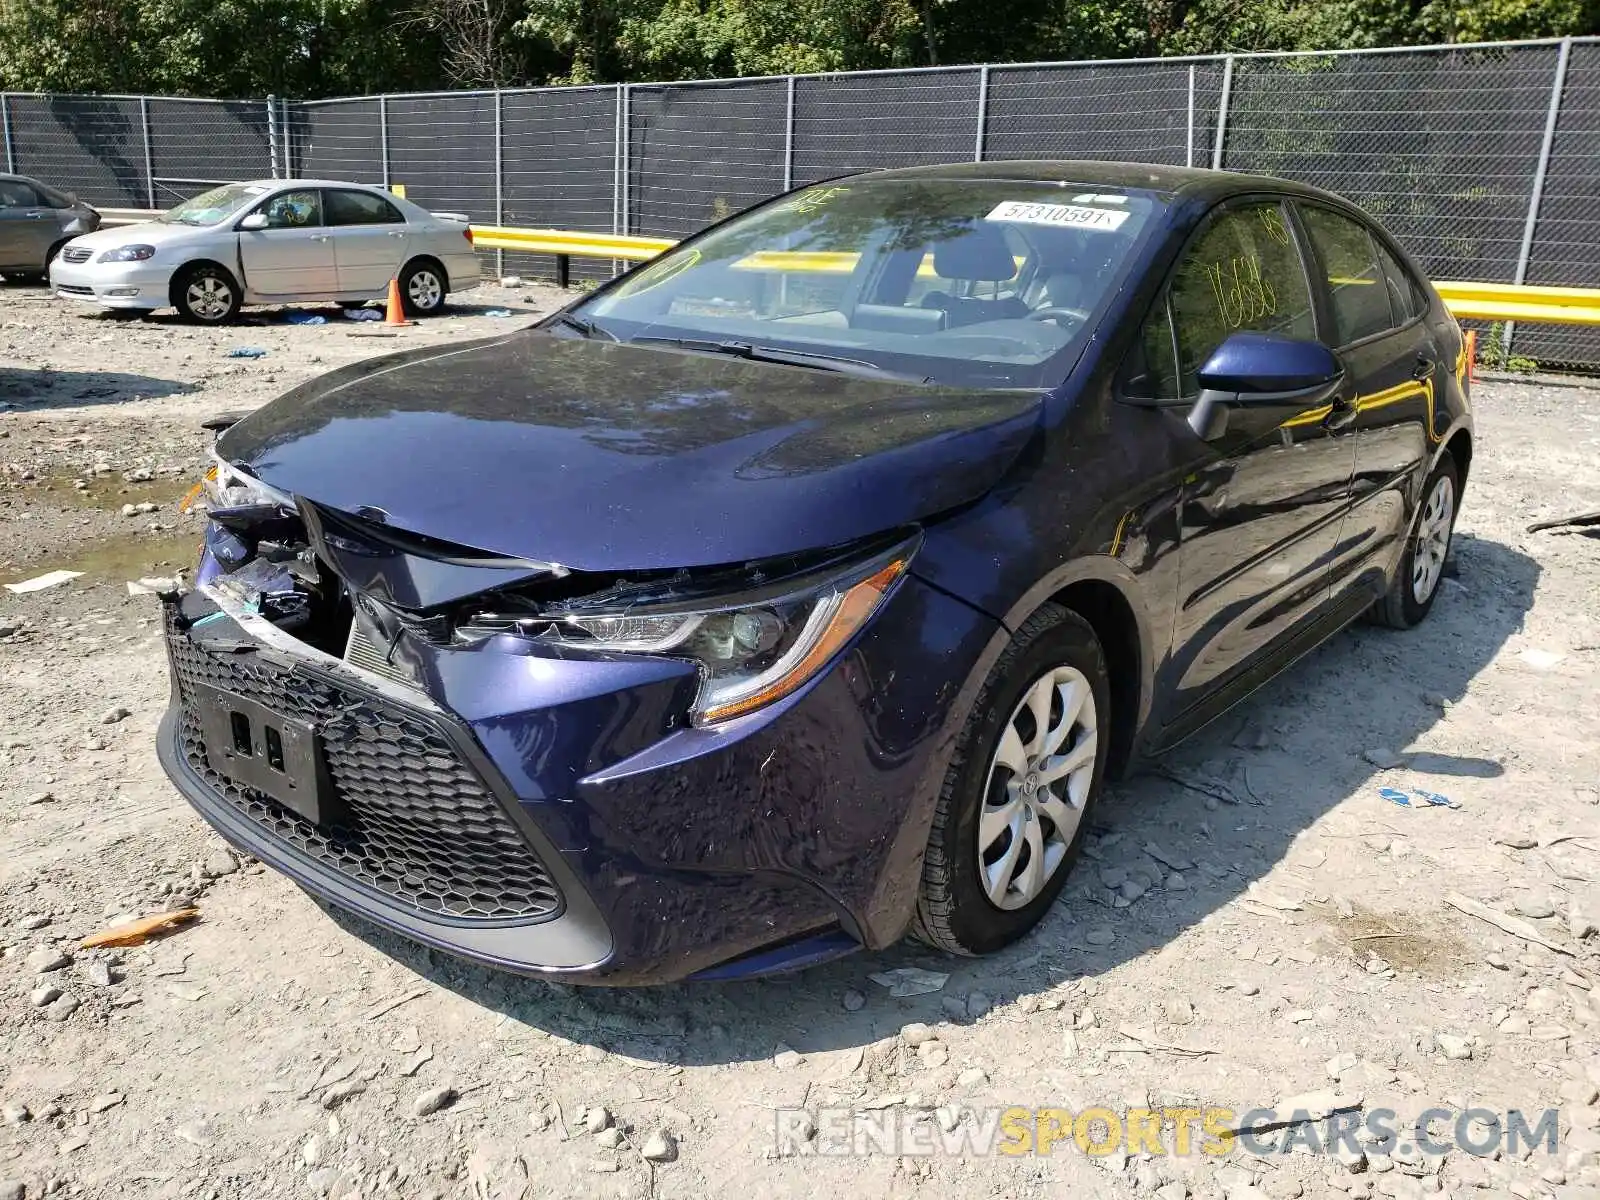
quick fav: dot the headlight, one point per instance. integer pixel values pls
(129, 254)
(226, 486)
(750, 651)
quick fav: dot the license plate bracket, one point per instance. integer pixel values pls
(257, 748)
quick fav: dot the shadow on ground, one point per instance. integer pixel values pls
(1362, 690)
(36, 388)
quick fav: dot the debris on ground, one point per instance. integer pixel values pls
(40, 582)
(910, 981)
(1417, 798)
(141, 930)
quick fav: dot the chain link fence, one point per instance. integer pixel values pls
(1483, 160)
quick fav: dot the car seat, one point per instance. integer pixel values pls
(978, 254)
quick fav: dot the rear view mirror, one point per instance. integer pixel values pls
(1266, 370)
(254, 221)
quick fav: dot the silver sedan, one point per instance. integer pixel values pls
(273, 241)
(35, 222)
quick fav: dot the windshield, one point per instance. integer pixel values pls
(218, 204)
(976, 283)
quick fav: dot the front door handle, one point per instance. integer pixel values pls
(1424, 367)
(319, 237)
(1342, 415)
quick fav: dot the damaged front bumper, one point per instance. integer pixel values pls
(554, 813)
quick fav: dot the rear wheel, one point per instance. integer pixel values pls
(1020, 789)
(1416, 583)
(422, 288)
(206, 294)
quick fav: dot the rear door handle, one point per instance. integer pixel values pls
(397, 233)
(1425, 367)
(319, 237)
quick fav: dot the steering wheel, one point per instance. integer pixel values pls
(1053, 312)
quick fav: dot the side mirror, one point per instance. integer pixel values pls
(254, 221)
(1264, 370)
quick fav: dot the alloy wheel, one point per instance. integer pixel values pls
(209, 298)
(1039, 781)
(424, 290)
(1433, 539)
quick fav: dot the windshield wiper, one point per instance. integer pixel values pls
(585, 327)
(790, 358)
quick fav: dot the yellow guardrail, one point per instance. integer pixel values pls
(1476, 301)
(566, 245)
(1521, 302)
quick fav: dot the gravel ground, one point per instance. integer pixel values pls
(1255, 922)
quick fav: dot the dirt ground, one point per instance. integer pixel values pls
(1255, 920)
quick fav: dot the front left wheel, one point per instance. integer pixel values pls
(206, 294)
(1021, 786)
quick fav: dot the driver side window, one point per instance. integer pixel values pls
(293, 210)
(1242, 272)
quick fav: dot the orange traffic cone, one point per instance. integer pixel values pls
(396, 314)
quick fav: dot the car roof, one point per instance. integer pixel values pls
(338, 183)
(1169, 181)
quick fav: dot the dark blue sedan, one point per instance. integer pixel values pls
(797, 591)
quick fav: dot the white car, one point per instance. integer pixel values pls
(271, 242)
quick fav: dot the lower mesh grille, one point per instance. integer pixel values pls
(418, 824)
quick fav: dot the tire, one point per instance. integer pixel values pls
(1416, 581)
(206, 295)
(970, 902)
(423, 288)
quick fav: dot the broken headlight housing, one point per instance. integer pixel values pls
(753, 648)
(226, 486)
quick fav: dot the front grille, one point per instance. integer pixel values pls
(74, 289)
(418, 825)
(76, 254)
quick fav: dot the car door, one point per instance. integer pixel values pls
(1394, 363)
(1260, 505)
(369, 238)
(27, 227)
(293, 255)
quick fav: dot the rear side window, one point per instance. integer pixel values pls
(1242, 272)
(1349, 262)
(359, 208)
(1406, 296)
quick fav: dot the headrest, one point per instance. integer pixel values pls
(979, 254)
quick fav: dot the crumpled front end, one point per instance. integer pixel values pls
(379, 717)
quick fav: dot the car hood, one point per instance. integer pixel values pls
(145, 233)
(608, 457)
